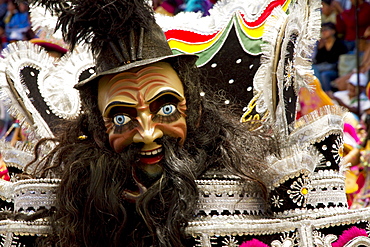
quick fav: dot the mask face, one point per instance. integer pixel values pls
(141, 106)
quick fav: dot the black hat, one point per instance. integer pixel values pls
(122, 34)
(330, 25)
(139, 49)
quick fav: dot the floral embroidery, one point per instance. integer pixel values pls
(276, 201)
(299, 191)
(286, 241)
(336, 148)
(289, 74)
(230, 242)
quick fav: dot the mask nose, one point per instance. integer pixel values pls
(148, 132)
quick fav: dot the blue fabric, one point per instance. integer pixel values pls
(18, 23)
(198, 6)
(326, 73)
(3, 9)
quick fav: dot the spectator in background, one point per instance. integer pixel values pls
(365, 64)
(346, 23)
(3, 39)
(326, 59)
(341, 82)
(173, 7)
(3, 9)
(341, 5)
(14, 133)
(17, 22)
(349, 98)
(168, 7)
(198, 6)
(328, 13)
(11, 8)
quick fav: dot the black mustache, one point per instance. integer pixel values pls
(164, 141)
(131, 156)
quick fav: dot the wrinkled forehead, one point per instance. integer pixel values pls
(147, 81)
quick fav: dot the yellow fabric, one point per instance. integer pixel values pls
(311, 100)
(351, 185)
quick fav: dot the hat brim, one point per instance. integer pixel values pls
(354, 83)
(49, 45)
(189, 58)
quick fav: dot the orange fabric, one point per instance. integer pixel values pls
(311, 100)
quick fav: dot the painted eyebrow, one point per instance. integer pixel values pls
(163, 93)
(114, 103)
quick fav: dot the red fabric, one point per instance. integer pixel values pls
(346, 23)
(266, 13)
(188, 36)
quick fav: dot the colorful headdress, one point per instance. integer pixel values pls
(258, 55)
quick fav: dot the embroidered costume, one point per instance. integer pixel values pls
(163, 156)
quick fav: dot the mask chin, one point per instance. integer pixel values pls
(148, 174)
(148, 178)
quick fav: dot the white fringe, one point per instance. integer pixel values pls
(264, 76)
(16, 56)
(220, 15)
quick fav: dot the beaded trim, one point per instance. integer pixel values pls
(241, 225)
(29, 193)
(34, 193)
(317, 125)
(218, 196)
(25, 228)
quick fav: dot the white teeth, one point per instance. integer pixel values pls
(154, 152)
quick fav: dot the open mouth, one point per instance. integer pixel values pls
(151, 157)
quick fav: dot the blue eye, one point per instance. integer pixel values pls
(121, 120)
(166, 110)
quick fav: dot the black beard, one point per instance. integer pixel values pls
(170, 200)
(98, 179)
(172, 151)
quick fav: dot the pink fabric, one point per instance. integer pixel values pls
(253, 243)
(348, 235)
(168, 7)
(352, 131)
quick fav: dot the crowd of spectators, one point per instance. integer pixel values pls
(15, 22)
(329, 48)
(335, 56)
(341, 62)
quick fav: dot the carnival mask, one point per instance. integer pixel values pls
(140, 106)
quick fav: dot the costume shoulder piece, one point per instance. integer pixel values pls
(37, 88)
(257, 54)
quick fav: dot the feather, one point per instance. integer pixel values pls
(96, 22)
